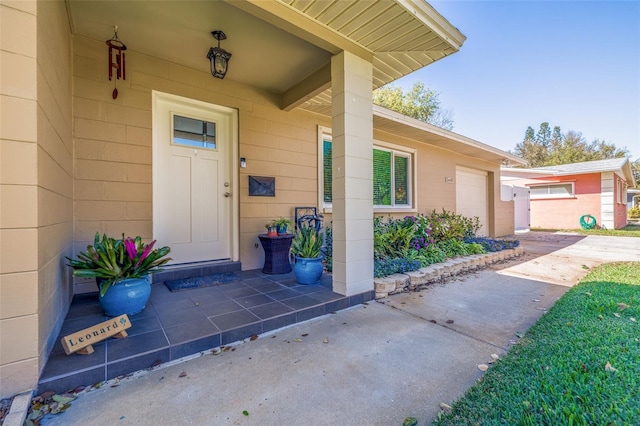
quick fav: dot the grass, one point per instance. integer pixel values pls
(627, 231)
(558, 372)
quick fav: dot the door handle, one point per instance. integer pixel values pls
(227, 194)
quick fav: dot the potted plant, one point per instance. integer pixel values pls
(281, 224)
(271, 229)
(121, 268)
(307, 249)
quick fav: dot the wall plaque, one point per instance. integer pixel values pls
(262, 186)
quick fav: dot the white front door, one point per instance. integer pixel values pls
(194, 145)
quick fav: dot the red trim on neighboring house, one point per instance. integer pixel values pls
(565, 213)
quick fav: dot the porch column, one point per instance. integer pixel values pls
(352, 195)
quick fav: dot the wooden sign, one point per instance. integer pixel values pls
(82, 340)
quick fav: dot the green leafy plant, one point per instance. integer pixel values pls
(307, 242)
(392, 239)
(281, 221)
(327, 251)
(447, 225)
(280, 224)
(111, 260)
(453, 248)
(634, 213)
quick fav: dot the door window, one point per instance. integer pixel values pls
(194, 133)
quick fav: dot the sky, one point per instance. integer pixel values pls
(574, 64)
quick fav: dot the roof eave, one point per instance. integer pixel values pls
(483, 151)
(628, 173)
(433, 19)
(625, 168)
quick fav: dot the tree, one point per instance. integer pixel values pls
(543, 137)
(549, 148)
(535, 153)
(635, 168)
(419, 102)
(557, 136)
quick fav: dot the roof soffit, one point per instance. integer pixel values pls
(397, 36)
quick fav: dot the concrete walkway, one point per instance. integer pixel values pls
(373, 364)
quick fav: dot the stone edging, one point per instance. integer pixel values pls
(398, 283)
(19, 408)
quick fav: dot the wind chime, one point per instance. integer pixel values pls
(116, 60)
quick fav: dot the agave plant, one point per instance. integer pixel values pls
(307, 242)
(111, 260)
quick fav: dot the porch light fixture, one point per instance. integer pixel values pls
(219, 57)
(116, 59)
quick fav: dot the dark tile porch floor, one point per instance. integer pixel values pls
(174, 325)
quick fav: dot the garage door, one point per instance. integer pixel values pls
(471, 196)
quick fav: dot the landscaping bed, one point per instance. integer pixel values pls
(579, 364)
(407, 244)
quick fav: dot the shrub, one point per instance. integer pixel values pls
(392, 239)
(447, 225)
(428, 255)
(492, 245)
(634, 213)
(475, 248)
(422, 227)
(382, 268)
(453, 248)
(327, 250)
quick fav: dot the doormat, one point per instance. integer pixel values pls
(198, 282)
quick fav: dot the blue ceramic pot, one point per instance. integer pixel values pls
(129, 297)
(308, 271)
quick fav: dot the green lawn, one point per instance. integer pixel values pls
(627, 231)
(579, 364)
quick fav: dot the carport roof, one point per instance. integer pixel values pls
(599, 166)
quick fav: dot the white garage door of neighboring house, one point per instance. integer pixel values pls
(471, 196)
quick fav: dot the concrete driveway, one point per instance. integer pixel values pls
(369, 365)
(564, 259)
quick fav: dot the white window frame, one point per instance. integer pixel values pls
(552, 196)
(324, 133)
(173, 140)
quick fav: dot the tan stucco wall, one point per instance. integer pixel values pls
(113, 141)
(36, 185)
(434, 165)
(18, 180)
(503, 215)
(55, 171)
